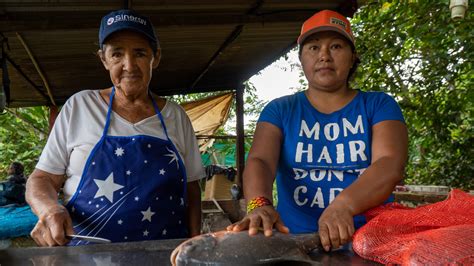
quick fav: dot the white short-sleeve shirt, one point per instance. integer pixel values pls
(80, 125)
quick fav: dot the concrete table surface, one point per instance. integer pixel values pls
(143, 253)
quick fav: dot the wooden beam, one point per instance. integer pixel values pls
(235, 33)
(240, 144)
(220, 136)
(22, 73)
(79, 21)
(40, 72)
(127, 4)
(53, 114)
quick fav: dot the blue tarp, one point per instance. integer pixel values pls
(16, 221)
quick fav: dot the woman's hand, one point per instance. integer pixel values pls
(265, 216)
(371, 188)
(52, 227)
(336, 226)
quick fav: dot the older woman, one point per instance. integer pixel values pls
(340, 150)
(127, 160)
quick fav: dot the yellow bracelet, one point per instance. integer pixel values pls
(257, 202)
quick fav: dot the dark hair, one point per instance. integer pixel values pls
(17, 168)
(353, 69)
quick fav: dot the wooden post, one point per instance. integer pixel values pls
(240, 148)
(53, 114)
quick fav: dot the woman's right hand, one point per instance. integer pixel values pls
(265, 216)
(52, 227)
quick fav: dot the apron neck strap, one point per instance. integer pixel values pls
(109, 112)
(158, 113)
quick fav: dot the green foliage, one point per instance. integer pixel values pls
(414, 51)
(410, 49)
(23, 133)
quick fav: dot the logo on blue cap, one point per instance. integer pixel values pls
(126, 20)
(123, 17)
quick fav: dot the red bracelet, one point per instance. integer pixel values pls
(257, 202)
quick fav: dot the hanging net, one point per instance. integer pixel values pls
(441, 233)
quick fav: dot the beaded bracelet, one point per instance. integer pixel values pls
(257, 202)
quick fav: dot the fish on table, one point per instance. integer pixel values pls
(238, 248)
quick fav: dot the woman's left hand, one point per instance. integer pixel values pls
(336, 226)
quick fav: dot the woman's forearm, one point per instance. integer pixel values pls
(389, 156)
(373, 187)
(41, 191)
(194, 208)
(258, 179)
(261, 166)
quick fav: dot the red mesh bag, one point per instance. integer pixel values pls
(433, 234)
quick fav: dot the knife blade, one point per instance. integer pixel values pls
(89, 238)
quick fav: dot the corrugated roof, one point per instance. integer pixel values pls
(206, 45)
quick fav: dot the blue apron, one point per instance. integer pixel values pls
(133, 188)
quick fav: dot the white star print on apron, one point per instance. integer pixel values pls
(132, 188)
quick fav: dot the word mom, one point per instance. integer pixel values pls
(331, 132)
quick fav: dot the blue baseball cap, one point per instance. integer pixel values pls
(126, 19)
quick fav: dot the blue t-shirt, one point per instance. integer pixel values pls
(322, 154)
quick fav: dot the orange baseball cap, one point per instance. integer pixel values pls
(326, 20)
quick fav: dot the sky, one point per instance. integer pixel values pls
(274, 81)
(277, 79)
